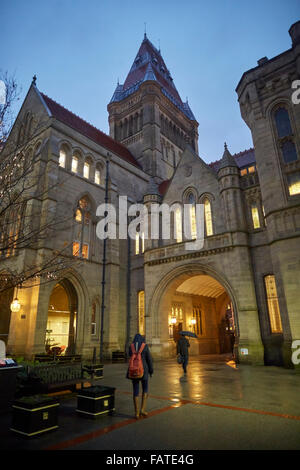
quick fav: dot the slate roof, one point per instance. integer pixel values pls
(243, 159)
(149, 65)
(72, 120)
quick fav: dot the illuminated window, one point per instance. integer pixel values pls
(141, 312)
(74, 164)
(273, 305)
(97, 177)
(208, 217)
(255, 216)
(62, 158)
(143, 242)
(178, 225)
(197, 315)
(243, 171)
(137, 244)
(251, 169)
(294, 183)
(86, 170)
(193, 225)
(82, 229)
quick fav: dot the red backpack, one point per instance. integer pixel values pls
(136, 368)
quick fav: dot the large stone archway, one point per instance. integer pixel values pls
(178, 280)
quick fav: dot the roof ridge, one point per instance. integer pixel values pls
(86, 122)
(242, 152)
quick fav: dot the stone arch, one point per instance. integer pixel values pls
(180, 273)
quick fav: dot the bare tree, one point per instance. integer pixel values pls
(28, 219)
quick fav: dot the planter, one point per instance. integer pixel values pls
(96, 401)
(34, 415)
(94, 370)
(8, 381)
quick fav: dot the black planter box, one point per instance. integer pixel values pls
(8, 381)
(95, 370)
(34, 415)
(96, 401)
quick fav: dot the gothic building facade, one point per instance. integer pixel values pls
(242, 286)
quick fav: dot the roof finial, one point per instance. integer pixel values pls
(145, 31)
(159, 45)
(33, 80)
(225, 146)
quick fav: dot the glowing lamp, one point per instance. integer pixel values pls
(173, 320)
(15, 305)
(193, 321)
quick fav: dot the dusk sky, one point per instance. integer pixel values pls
(79, 49)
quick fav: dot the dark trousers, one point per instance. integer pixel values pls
(185, 360)
(136, 386)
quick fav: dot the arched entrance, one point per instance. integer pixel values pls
(62, 319)
(198, 300)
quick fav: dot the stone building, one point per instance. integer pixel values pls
(241, 286)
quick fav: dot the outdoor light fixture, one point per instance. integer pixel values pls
(15, 305)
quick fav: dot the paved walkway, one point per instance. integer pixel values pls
(217, 406)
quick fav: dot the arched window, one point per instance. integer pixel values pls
(208, 217)
(255, 215)
(81, 242)
(86, 169)
(62, 158)
(285, 136)
(178, 224)
(193, 225)
(75, 160)
(98, 175)
(141, 312)
(273, 304)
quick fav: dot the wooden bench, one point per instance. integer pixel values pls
(49, 358)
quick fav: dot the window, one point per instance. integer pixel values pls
(193, 225)
(82, 229)
(139, 243)
(141, 312)
(263, 209)
(208, 217)
(93, 320)
(255, 215)
(86, 170)
(74, 164)
(97, 177)
(62, 158)
(251, 169)
(178, 225)
(197, 316)
(294, 183)
(285, 135)
(243, 171)
(273, 305)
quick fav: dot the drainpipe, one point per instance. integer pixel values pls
(104, 268)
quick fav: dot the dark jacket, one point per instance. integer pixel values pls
(182, 346)
(146, 356)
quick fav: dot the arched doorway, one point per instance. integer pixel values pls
(195, 299)
(62, 319)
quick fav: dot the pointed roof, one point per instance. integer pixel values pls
(227, 159)
(149, 65)
(70, 119)
(242, 159)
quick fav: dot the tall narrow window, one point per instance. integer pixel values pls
(74, 164)
(97, 176)
(86, 170)
(294, 183)
(137, 244)
(208, 218)
(273, 305)
(143, 242)
(82, 229)
(285, 135)
(178, 225)
(62, 158)
(93, 320)
(255, 215)
(193, 225)
(141, 311)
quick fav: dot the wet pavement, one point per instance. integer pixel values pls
(216, 406)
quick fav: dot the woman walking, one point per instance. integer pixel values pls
(138, 344)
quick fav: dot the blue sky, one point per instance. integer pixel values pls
(78, 50)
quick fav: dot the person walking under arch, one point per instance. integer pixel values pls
(182, 349)
(138, 344)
